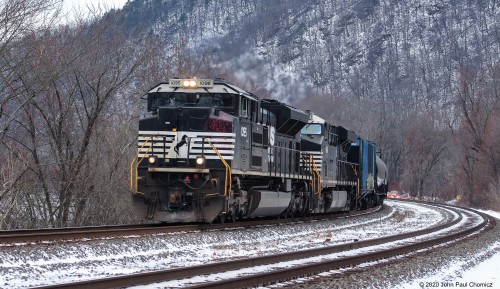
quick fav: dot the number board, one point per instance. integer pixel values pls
(199, 83)
(205, 83)
(175, 82)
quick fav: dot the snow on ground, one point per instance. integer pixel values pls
(288, 264)
(35, 265)
(491, 213)
(464, 272)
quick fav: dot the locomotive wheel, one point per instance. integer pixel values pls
(222, 218)
(233, 215)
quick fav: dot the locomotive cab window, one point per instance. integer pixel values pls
(311, 129)
(244, 107)
(313, 132)
(156, 100)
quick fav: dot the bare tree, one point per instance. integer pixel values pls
(18, 20)
(476, 133)
(425, 148)
(61, 131)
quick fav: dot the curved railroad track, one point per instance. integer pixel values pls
(310, 262)
(78, 233)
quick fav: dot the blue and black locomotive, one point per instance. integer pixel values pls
(209, 151)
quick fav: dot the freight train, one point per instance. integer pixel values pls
(211, 151)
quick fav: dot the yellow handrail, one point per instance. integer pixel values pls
(318, 174)
(312, 173)
(137, 166)
(228, 178)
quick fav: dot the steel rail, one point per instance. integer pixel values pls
(315, 268)
(178, 273)
(75, 233)
(65, 229)
(64, 234)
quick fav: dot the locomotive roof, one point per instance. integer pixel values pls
(219, 86)
(314, 118)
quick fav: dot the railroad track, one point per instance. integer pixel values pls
(307, 267)
(78, 233)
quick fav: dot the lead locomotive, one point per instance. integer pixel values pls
(209, 150)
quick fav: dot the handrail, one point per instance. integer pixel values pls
(358, 187)
(312, 173)
(318, 174)
(308, 165)
(137, 166)
(228, 178)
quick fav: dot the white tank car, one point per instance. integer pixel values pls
(381, 173)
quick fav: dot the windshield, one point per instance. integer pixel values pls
(311, 129)
(192, 99)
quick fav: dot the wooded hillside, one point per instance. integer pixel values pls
(421, 79)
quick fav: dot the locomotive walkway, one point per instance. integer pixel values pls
(468, 223)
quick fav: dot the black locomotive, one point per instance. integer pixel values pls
(209, 150)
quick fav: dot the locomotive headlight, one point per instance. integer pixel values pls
(152, 160)
(200, 161)
(189, 83)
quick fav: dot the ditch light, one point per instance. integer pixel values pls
(200, 162)
(152, 159)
